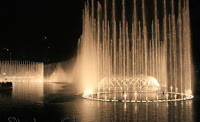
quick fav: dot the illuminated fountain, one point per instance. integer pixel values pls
(134, 57)
(26, 77)
(21, 71)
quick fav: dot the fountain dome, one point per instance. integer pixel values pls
(119, 84)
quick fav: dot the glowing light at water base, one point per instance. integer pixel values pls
(135, 55)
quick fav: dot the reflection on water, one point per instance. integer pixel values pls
(86, 110)
(57, 101)
(28, 91)
(51, 87)
(34, 91)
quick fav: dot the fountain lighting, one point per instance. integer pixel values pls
(125, 95)
(88, 95)
(148, 57)
(88, 92)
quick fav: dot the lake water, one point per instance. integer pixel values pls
(57, 102)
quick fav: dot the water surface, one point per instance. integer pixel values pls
(54, 102)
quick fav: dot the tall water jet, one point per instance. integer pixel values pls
(119, 54)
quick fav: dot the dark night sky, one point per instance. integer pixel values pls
(195, 28)
(26, 23)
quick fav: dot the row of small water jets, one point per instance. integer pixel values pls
(21, 71)
(137, 96)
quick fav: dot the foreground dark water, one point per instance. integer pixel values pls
(57, 102)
